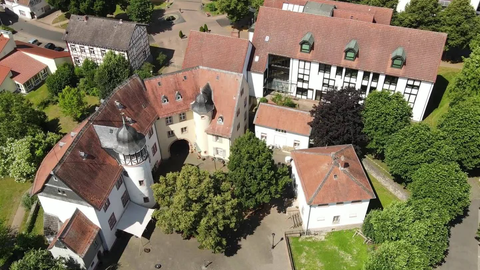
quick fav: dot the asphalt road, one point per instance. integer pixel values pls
(27, 30)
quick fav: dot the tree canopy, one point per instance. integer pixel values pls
(197, 204)
(397, 255)
(85, 7)
(72, 102)
(338, 120)
(146, 71)
(466, 84)
(40, 259)
(445, 184)
(63, 77)
(461, 128)
(86, 74)
(253, 173)
(461, 23)
(383, 116)
(380, 3)
(421, 14)
(235, 9)
(413, 146)
(114, 70)
(18, 118)
(140, 11)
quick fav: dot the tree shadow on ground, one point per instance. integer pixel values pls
(456, 55)
(53, 125)
(159, 24)
(459, 219)
(438, 91)
(122, 16)
(113, 256)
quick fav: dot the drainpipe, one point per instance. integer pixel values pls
(308, 219)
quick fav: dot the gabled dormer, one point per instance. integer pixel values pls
(398, 58)
(306, 44)
(351, 50)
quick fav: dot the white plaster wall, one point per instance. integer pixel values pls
(401, 5)
(250, 36)
(8, 84)
(154, 159)
(223, 143)
(67, 253)
(289, 137)
(255, 82)
(17, 8)
(423, 96)
(52, 64)
(201, 124)
(97, 57)
(140, 172)
(64, 210)
(162, 129)
(247, 58)
(350, 214)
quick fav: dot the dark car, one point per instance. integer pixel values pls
(50, 46)
(58, 49)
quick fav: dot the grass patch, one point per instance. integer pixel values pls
(38, 227)
(10, 197)
(63, 26)
(338, 251)
(118, 10)
(38, 95)
(211, 8)
(380, 164)
(383, 194)
(60, 18)
(161, 6)
(441, 95)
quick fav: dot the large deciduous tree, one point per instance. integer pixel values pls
(85, 7)
(383, 116)
(413, 146)
(461, 128)
(72, 102)
(7, 241)
(86, 75)
(197, 204)
(235, 9)
(466, 83)
(18, 118)
(40, 259)
(421, 14)
(140, 11)
(253, 173)
(397, 255)
(461, 23)
(380, 3)
(445, 184)
(146, 71)
(63, 77)
(114, 70)
(338, 120)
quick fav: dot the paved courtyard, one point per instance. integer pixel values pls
(253, 252)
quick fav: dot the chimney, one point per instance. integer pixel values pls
(343, 164)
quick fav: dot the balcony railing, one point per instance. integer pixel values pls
(279, 85)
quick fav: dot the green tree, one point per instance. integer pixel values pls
(140, 11)
(197, 204)
(413, 146)
(7, 241)
(18, 118)
(428, 208)
(384, 114)
(445, 184)
(460, 126)
(63, 77)
(256, 178)
(86, 74)
(40, 259)
(461, 23)
(72, 102)
(397, 255)
(466, 83)
(235, 9)
(380, 3)
(62, 5)
(338, 120)
(114, 70)
(421, 14)
(146, 71)
(161, 58)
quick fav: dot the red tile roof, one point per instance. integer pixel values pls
(325, 181)
(278, 117)
(34, 49)
(225, 87)
(23, 66)
(216, 51)
(378, 14)
(77, 233)
(376, 43)
(4, 73)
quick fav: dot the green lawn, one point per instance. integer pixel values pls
(38, 227)
(384, 195)
(10, 196)
(339, 250)
(60, 18)
(445, 77)
(53, 111)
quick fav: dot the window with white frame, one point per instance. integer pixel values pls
(245, 102)
(170, 133)
(350, 79)
(320, 218)
(245, 115)
(112, 221)
(296, 143)
(183, 130)
(325, 69)
(263, 136)
(141, 183)
(91, 50)
(102, 52)
(168, 120)
(353, 215)
(238, 126)
(119, 182)
(303, 74)
(76, 60)
(106, 205)
(73, 48)
(390, 83)
(374, 83)
(238, 112)
(154, 149)
(150, 132)
(336, 220)
(411, 91)
(339, 71)
(82, 49)
(217, 139)
(125, 198)
(219, 151)
(182, 116)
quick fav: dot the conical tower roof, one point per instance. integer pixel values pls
(129, 141)
(203, 101)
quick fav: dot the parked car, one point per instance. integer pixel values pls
(33, 41)
(50, 46)
(58, 49)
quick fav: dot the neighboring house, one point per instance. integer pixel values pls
(28, 9)
(92, 37)
(282, 126)
(402, 4)
(306, 54)
(331, 186)
(218, 52)
(206, 107)
(24, 66)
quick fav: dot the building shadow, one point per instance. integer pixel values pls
(438, 91)
(113, 256)
(155, 51)
(159, 24)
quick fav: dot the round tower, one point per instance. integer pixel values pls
(133, 155)
(202, 109)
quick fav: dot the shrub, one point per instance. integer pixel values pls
(205, 28)
(263, 100)
(28, 201)
(180, 34)
(201, 29)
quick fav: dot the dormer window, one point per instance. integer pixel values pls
(351, 50)
(164, 99)
(306, 44)
(398, 58)
(220, 120)
(178, 96)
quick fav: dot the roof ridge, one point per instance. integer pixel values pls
(357, 182)
(321, 184)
